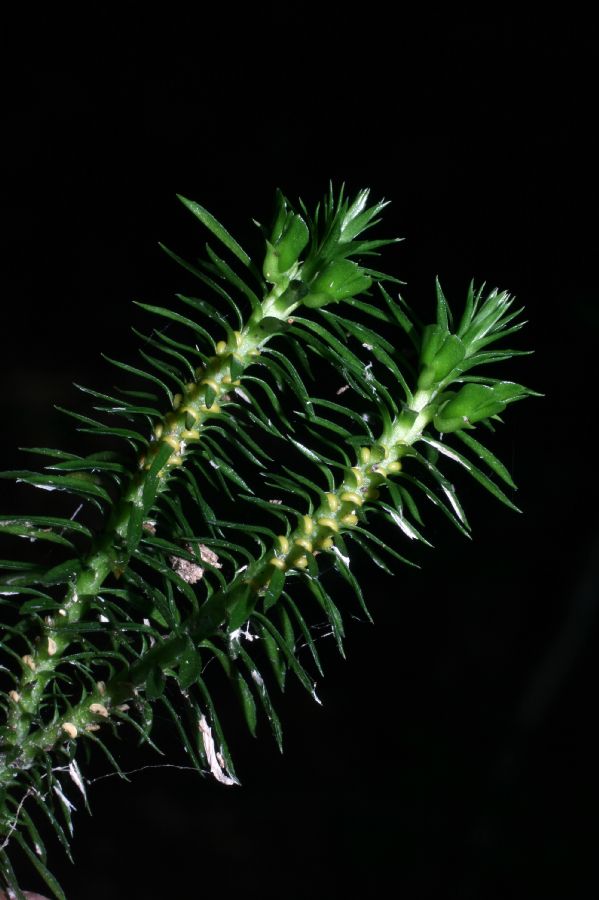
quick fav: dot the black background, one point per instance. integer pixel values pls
(455, 753)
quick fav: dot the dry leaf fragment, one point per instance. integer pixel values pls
(190, 571)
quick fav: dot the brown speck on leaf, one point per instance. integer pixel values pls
(190, 571)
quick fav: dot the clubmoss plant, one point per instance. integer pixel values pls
(186, 566)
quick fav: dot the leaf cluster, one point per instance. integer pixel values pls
(198, 570)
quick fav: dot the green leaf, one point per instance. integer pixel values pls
(190, 666)
(286, 484)
(397, 517)
(342, 566)
(290, 375)
(205, 279)
(264, 696)
(142, 730)
(174, 317)
(443, 311)
(188, 744)
(272, 398)
(358, 217)
(485, 454)
(9, 876)
(16, 565)
(355, 417)
(474, 402)
(62, 573)
(399, 313)
(250, 449)
(140, 373)
(165, 369)
(165, 344)
(152, 479)
(327, 425)
(287, 240)
(82, 485)
(303, 626)
(274, 589)
(34, 834)
(217, 230)
(63, 802)
(208, 311)
(158, 609)
(89, 735)
(229, 472)
(240, 605)
(343, 354)
(441, 354)
(374, 343)
(474, 471)
(43, 802)
(222, 268)
(278, 510)
(369, 309)
(207, 512)
(91, 464)
(49, 451)
(332, 613)
(340, 279)
(436, 501)
(155, 684)
(469, 308)
(371, 555)
(42, 870)
(274, 655)
(117, 404)
(26, 529)
(248, 704)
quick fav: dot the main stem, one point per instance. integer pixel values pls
(172, 436)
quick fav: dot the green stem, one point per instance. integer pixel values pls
(112, 550)
(336, 514)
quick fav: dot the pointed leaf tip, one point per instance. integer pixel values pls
(218, 230)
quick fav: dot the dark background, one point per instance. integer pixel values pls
(455, 755)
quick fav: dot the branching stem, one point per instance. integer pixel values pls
(315, 533)
(181, 427)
